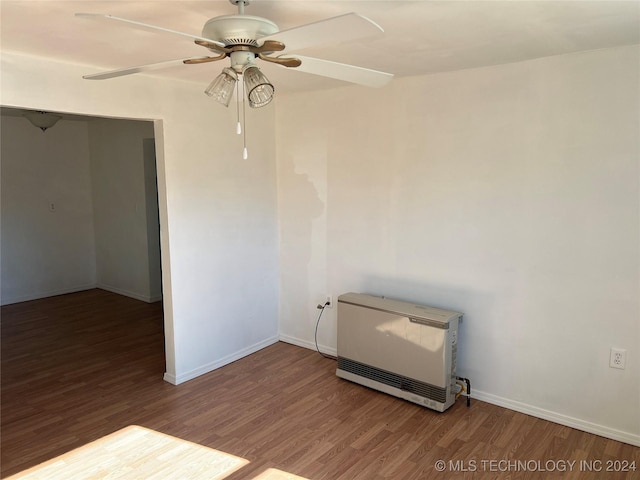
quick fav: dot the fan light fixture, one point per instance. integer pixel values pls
(42, 120)
(257, 87)
(221, 89)
(259, 90)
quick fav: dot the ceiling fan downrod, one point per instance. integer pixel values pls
(241, 4)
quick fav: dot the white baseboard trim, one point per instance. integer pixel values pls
(306, 344)
(559, 418)
(127, 293)
(196, 372)
(170, 378)
(567, 421)
(51, 293)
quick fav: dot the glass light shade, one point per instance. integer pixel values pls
(259, 90)
(221, 89)
(42, 120)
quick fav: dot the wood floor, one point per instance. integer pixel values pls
(77, 367)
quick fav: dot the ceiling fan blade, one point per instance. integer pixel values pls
(196, 61)
(334, 30)
(345, 72)
(214, 47)
(269, 46)
(143, 68)
(286, 62)
(146, 26)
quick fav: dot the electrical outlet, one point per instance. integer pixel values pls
(329, 299)
(618, 358)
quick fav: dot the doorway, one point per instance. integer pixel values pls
(79, 208)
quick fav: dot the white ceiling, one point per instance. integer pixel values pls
(420, 36)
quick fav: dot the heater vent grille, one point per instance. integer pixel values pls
(393, 379)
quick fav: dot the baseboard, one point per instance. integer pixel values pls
(52, 293)
(129, 294)
(196, 372)
(567, 421)
(170, 378)
(310, 345)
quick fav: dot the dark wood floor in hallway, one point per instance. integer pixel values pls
(77, 367)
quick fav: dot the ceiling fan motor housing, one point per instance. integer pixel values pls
(240, 60)
(238, 29)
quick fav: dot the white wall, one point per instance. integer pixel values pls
(120, 207)
(45, 252)
(217, 212)
(508, 193)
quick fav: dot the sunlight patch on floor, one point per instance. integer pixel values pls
(134, 453)
(275, 474)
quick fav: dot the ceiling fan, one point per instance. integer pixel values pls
(246, 38)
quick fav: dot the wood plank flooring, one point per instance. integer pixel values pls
(77, 367)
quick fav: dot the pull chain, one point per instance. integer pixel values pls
(238, 126)
(245, 154)
(242, 130)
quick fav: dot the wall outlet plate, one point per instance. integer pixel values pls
(618, 358)
(329, 299)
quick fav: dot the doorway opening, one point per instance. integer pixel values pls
(80, 208)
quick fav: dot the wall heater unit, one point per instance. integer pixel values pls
(399, 348)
